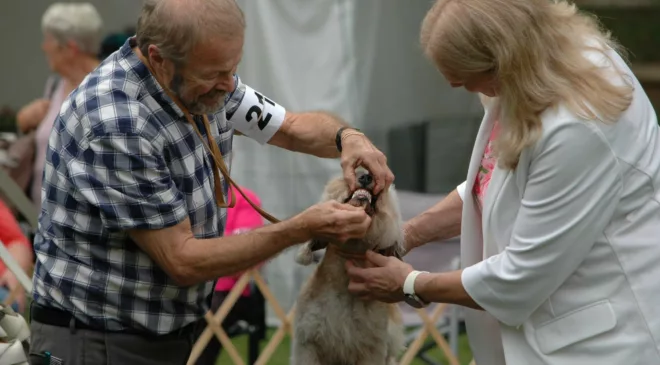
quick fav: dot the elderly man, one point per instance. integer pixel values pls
(129, 242)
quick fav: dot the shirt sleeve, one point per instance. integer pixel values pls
(566, 205)
(125, 176)
(243, 108)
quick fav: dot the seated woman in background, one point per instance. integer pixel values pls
(72, 38)
(241, 218)
(21, 250)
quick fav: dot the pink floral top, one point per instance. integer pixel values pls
(486, 168)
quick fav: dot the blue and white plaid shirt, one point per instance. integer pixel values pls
(121, 155)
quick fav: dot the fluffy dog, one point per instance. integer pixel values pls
(332, 326)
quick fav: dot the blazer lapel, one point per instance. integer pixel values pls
(497, 180)
(472, 225)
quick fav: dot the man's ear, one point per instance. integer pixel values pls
(154, 54)
(158, 62)
(305, 254)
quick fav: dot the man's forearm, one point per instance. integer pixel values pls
(189, 260)
(311, 133)
(440, 222)
(207, 259)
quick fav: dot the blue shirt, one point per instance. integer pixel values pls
(121, 155)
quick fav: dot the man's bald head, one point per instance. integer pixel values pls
(176, 26)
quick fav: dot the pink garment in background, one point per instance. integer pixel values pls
(41, 140)
(241, 218)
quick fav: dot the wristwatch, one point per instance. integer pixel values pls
(409, 290)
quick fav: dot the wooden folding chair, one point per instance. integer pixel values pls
(429, 328)
(214, 321)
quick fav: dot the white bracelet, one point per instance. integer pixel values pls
(409, 284)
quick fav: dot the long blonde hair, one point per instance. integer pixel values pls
(535, 50)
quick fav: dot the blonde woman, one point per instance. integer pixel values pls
(560, 214)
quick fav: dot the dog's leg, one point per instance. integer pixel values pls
(305, 254)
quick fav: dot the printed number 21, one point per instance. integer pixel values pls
(256, 110)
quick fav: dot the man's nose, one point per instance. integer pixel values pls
(365, 180)
(226, 84)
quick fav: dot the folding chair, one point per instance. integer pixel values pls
(214, 319)
(444, 328)
(437, 325)
(253, 325)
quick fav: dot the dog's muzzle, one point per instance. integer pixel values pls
(363, 196)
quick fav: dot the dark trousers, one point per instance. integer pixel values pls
(88, 347)
(239, 311)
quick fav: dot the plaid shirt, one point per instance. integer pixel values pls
(121, 155)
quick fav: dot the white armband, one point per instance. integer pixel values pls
(246, 118)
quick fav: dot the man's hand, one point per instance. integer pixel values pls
(335, 222)
(381, 280)
(315, 133)
(358, 151)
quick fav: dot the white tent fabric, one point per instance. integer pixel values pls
(301, 54)
(357, 59)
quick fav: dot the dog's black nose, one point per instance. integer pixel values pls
(365, 180)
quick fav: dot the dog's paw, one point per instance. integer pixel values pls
(304, 256)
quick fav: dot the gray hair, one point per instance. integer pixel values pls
(175, 27)
(77, 22)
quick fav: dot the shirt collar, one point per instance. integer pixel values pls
(147, 80)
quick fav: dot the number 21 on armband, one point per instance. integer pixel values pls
(256, 110)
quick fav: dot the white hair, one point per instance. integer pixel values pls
(175, 27)
(77, 22)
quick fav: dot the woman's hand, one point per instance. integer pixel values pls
(381, 280)
(30, 116)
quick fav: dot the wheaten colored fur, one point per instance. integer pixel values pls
(332, 326)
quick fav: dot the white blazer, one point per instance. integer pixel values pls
(566, 258)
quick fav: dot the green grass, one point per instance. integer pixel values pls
(281, 355)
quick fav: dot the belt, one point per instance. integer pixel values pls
(59, 318)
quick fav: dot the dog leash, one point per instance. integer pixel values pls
(214, 150)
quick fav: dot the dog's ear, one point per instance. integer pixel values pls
(399, 251)
(305, 254)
